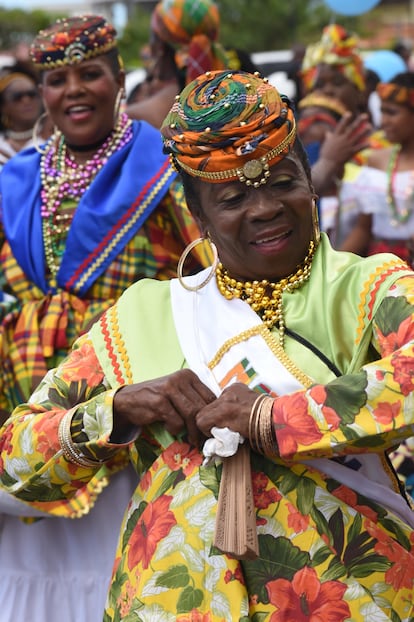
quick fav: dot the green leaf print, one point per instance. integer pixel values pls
(396, 618)
(256, 617)
(364, 567)
(391, 313)
(305, 491)
(177, 576)
(189, 599)
(336, 524)
(399, 534)
(346, 395)
(169, 482)
(335, 571)
(321, 556)
(210, 478)
(288, 481)
(279, 558)
(131, 523)
(321, 523)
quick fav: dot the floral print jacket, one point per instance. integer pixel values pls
(326, 552)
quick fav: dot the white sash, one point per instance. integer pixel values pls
(205, 322)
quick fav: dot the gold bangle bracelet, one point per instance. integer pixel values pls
(253, 422)
(69, 450)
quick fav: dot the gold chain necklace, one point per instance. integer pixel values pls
(265, 297)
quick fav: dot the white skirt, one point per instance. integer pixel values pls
(58, 569)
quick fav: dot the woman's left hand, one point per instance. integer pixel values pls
(232, 410)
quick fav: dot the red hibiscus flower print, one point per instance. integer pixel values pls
(349, 497)
(404, 372)
(306, 599)
(385, 413)
(181, 456)
(154, 524)
(401, 571)
(297, 521)
(293, 424)
(391, 342)
(237, 575)
(318, 393)
(47, 428)
(5, 444)
(82, 364)
(262, 497)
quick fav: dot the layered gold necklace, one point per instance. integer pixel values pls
(265, 297)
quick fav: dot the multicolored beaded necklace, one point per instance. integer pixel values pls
(398, 217)
(63, 183)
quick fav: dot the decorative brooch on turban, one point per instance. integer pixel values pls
(229, 125)
(72, 40)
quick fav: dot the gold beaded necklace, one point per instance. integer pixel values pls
(265, 297)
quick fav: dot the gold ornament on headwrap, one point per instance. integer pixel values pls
(339, 48)
(227, 126)
(395, 93)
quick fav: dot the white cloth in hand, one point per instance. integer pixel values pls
(222, 444)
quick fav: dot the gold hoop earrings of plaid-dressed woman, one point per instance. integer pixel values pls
(186, 252)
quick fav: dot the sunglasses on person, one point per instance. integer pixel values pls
(17, 96)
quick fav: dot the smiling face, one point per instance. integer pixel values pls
(397, 121)
(81, 99)
(261, 233)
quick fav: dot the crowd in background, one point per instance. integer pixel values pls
(91, 203)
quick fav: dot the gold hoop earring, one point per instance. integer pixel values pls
(315, 223)
(184, 256)
(117, 105)
(36, 132)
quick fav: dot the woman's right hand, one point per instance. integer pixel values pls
(173, 400)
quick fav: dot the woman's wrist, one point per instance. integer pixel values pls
(262, 436)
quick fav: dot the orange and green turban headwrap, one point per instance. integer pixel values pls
(229, 125)
(191, 27)
(339, 48)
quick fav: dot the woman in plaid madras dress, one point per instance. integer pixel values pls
(97, 209)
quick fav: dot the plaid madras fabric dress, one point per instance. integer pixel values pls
(39, 326)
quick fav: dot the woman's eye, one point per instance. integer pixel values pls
(55, 81)
(232, 199)
(91, 75)
(281, 182)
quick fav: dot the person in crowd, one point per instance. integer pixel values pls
(20, 108)
(404, 48)
(84, 215)
(317, 119)
(377, 204)
(384, 191)
(183, 43)
(333, 67)
(257, 399)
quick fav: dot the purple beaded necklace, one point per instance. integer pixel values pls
(63, 178)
